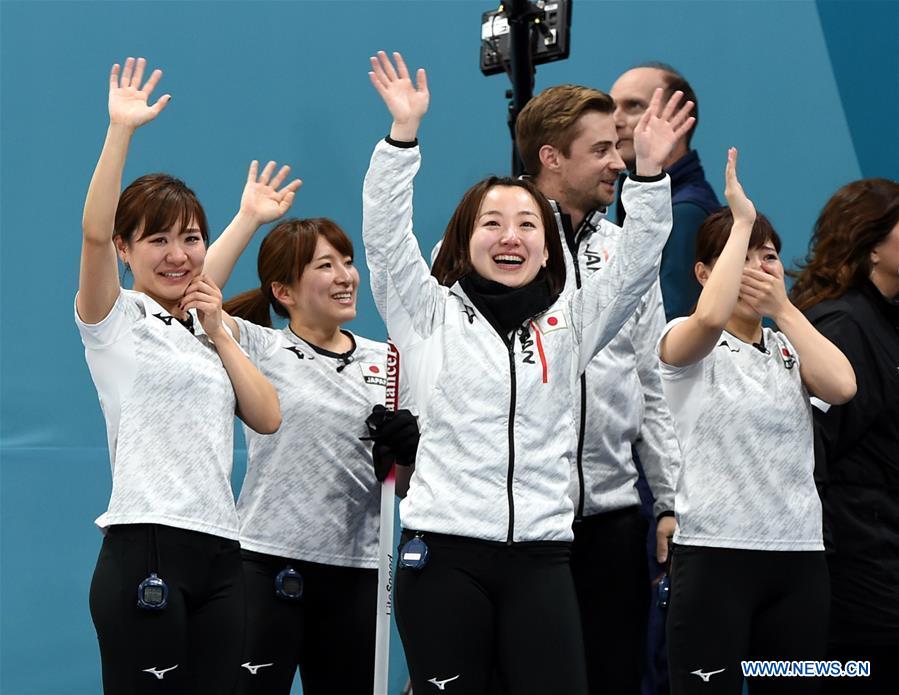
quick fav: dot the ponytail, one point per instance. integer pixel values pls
(252, 306)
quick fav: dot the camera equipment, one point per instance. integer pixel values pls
(515, 38)
(549, 36)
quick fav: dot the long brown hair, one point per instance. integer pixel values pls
(283, 256)
(454, 258)
(856, 219)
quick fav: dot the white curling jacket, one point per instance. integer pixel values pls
(622, 407)
(497, 416)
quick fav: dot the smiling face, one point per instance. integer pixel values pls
(164, 262)
(507, 244)
(325, 294)
(589, 173)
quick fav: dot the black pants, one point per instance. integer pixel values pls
(611, 576)
(192, 646)
(731, 605)
(482, 607)
(329, 633)
(884, 677)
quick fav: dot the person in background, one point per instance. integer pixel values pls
(692, 197)
(567, 139)
(692, 200)
(849, 289)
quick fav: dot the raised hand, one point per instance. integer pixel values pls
(659, 130)
(129, 102)
(203, 295)
(406, 102)
(742, 208)
(764, 290)
(262, 201)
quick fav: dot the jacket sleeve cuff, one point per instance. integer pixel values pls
(641, 179)
(401, 143)
(659, 517)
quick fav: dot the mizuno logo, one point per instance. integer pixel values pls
(296, 351)
(469, 312)
(167, 320)
(441, 685)
(252, 668)
(705, 675)
(161, 672)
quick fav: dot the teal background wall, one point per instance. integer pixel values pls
(808, 90)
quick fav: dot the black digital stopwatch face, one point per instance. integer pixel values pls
(289, 584)
(292, 586)
(152, 594)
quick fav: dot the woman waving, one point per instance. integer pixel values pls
(167, 594)
(493, 357)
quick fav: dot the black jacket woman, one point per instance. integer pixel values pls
(849, 289)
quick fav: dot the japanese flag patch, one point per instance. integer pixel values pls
(374, 373)
(787, 357)
(552, 321)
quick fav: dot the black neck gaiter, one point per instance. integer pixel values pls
(506, 308)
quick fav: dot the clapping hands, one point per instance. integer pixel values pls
(764, 290)
(742, 208)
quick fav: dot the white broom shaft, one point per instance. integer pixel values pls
(385, 541)
(385, 585)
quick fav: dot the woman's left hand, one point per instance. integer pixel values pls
(262, 201)
(203, 295)
(764, 290)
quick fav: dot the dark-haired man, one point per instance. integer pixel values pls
(692, 197)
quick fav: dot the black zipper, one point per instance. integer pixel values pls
(510, 346)
(511, 442)
(583, 423)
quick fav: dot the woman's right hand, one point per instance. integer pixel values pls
(263, 200)
(128, 102)
(406, 102)
(741, 207)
